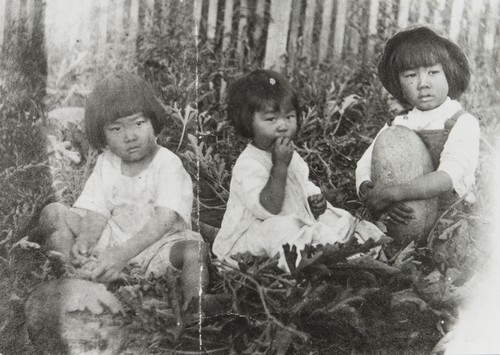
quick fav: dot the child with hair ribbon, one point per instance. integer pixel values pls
(272, 202)
(135, 209)
(428, 73)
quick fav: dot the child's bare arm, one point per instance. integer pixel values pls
(112, 261)
(364, 165)
(272, 195)
(427, 186)
(91, 228)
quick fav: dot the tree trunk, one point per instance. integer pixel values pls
(228, 24)
(277, 34)
(372, 25)
(308, 29)
(259, 21)
(403, 13)
(457, 10)
(212, 19)
(242, 31)
(491, 24)
(294, 31)
(326, 23)
(340, 24)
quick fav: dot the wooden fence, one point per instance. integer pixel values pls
(272, 32)
(319, 30)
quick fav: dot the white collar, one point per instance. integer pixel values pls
(449, 106)
(432, 119)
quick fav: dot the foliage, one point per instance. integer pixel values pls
(22, 164)
(332, 304)
(343, 110)
(25, 187)
(340, 306)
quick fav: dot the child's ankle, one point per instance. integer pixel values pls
(58, 245)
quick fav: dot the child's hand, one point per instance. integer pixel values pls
(400, 213)
(282, 151)
(110, 264)
(81, 250)
(317, 203)
(379, 198)
(364, 188)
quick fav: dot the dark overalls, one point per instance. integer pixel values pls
(452, 249)
(434, 140)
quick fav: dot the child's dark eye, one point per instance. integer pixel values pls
(113, 129)
(140, 123)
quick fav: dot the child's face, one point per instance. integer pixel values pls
(270, 124)
(131, 138)
(425, 87)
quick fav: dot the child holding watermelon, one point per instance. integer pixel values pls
(427, 73)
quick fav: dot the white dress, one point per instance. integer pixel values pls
(129, 202)
(248, 227)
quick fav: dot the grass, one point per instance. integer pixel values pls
(338, 311)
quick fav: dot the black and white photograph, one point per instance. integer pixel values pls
(249, 177)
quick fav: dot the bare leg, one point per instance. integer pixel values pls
(59, 226)
(192, 258)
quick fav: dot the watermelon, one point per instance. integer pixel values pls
(399, 156)
(72, 316)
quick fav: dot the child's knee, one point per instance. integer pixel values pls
(190, 251)
(280, 223)
(54, 230)
(52, 218)
(194, 265)
(280, 229)
(60, 241)
(53, 211)
(195, 250)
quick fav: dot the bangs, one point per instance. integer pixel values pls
(270, 103)
(259, 91)
(422, 47)
(285, 103)
(116, 96)
(419, 53)
(272, 97)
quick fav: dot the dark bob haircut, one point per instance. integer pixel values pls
(422, 47)
(257, 91)
(120, 95)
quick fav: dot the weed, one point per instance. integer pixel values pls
(340, 306)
